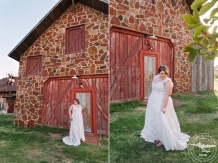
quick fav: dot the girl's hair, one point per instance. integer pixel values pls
(76, 100)
(163, 68)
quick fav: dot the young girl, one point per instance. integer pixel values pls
(76, 125)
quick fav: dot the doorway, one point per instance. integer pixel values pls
(149, 63)
(86, 98)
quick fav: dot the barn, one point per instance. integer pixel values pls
(144, 35)
(65, 56)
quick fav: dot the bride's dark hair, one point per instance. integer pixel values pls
(163, 68)
(76, 100)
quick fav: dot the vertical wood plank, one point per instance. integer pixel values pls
(117, 47)
(137, 71)
(112, 60)
(125, 77)
(122, 80)
(129, 68)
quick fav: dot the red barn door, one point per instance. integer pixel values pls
(58, 97)
(130, 78)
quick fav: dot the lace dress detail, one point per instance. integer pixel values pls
(76, 127)
(159, 126)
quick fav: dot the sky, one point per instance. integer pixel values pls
(17, 19)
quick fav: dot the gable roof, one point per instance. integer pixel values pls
(4, 87)
(49, 19)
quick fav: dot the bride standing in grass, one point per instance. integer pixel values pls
(161, 123)
(76, 125)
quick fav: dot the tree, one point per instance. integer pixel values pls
(204, 42)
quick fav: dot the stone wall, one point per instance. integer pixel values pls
(55, 63)
(164, 19)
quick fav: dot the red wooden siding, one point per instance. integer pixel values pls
(60, 90)
(34, 66)
(125, 47)
(75, 39)
(165, 48)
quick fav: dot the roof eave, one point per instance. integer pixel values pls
(37, 31)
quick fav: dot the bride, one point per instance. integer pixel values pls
(161, 123)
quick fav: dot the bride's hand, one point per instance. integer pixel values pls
(164, 110)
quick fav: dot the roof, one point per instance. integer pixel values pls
(4, 87)
(49, 19)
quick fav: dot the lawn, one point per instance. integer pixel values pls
(36, 145)
(198, 114)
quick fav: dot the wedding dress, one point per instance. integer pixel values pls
(162, 126)
(76, 128)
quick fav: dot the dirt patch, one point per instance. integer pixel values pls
(177, 103)
(92, 139)
(55, 136)
(141, 108)
(197, 95)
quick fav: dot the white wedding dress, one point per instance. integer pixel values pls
(76, 127)
(163, 127)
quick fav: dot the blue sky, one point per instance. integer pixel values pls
(17, 18)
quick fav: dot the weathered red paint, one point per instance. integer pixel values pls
(125, 75)
(75, 39)
(34, 65)
(58, 95)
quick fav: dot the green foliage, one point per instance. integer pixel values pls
(203, 42)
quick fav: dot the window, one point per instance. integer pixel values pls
(75, 39)
(34, 66)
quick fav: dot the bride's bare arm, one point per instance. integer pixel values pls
(168, 87)
(70, 111)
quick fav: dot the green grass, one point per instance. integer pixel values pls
(123, 107)
(198, 114)
(35, 145)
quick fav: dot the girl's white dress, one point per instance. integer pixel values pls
(76, 127)
(163, 127)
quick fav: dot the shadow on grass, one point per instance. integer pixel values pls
(127, 146)
(27, 145)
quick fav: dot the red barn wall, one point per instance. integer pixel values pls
(164, 19)
(55, 63)
(125, 47)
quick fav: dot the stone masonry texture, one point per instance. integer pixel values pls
(164, 19)
(55, 63)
